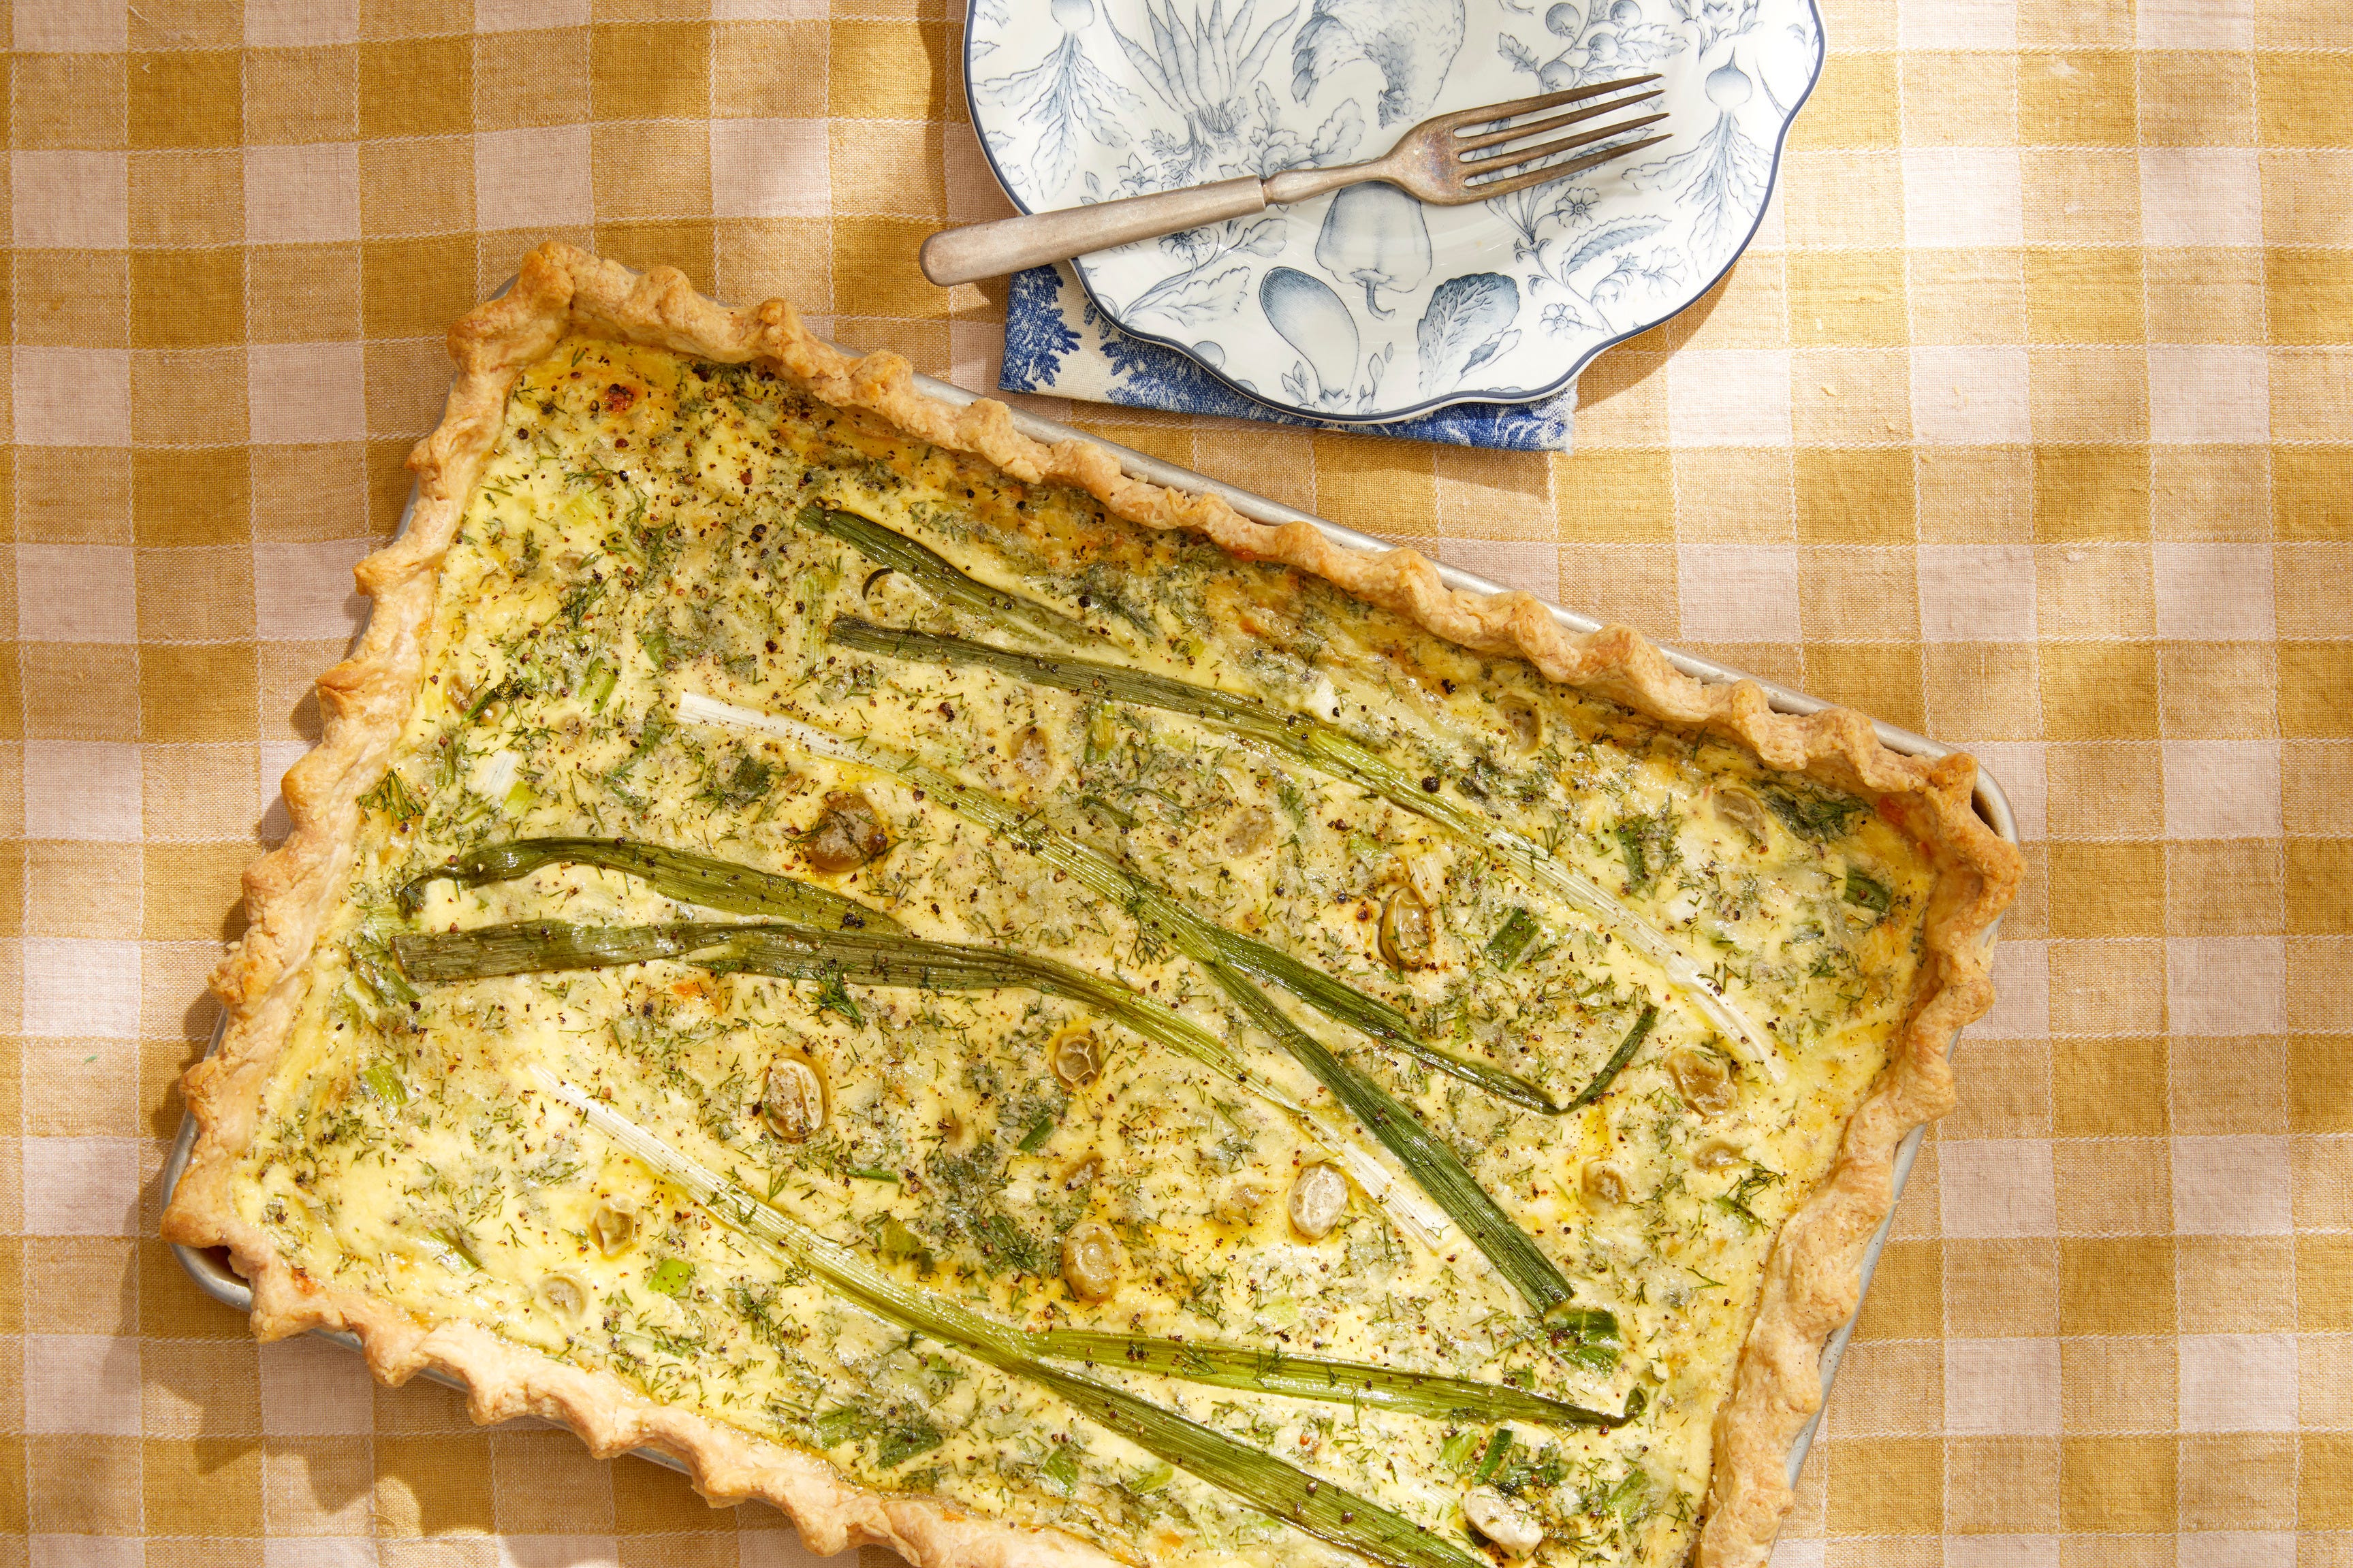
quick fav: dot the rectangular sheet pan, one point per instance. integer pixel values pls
(209, 1269)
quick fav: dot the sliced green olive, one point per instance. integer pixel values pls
(1092, 1260)
(612, 1227)
(1408, 933)
(1240, 1203)
(1251, 827)
(564, 1294)
(1318, 1198)
(847, 834)
(1075, 1059)
(794, 1103)
(1033, 755)
(1703, 1082)
(1744, 811)
(1522, 721)
(1603, 1182)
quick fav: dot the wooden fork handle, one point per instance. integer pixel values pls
(1009, 244)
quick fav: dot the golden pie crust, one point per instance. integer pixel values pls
(1812, 1276)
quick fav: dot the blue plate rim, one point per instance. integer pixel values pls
(1431, 406)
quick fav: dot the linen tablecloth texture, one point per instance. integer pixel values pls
(2027, 422)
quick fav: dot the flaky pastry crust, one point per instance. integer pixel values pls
(1812, 1278)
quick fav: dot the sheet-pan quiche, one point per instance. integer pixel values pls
(1019, 1015)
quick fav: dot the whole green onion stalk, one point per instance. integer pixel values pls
(1270, 1371)
(1330, 749)
(1427, 1159)
(1342, 754)
(679, 874)
(1282, 1490)
(800, 952)
(938, 577)
(1336, 999)
(884, 958)
(1181, 927)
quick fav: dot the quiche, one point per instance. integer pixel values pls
(1020, 1017)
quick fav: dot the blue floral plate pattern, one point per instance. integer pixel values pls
(1056, 343)
(1366, 307)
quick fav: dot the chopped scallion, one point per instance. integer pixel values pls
(1498, 1447)
(597, 685)
(385, 1084)
(1511, 939)
(1868, 891)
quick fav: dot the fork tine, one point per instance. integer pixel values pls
(1511, 157)
(1537, 127)
(1490, 189)
(1490, 112)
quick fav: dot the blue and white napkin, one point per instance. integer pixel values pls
(1058, 343)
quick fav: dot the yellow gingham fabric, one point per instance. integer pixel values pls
(2027, 421)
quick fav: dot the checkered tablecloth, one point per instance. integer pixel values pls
(2026, 422)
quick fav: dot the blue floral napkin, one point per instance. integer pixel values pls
(1058, 343)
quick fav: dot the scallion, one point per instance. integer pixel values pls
(1333, 750)
(1511, 939)
(1190, 933)
(798, 953)
(1427, 1159)
(679, 874)
(936, 575)
(1282, 1490)
(1433, 1165)
(833, 959)
(1618, 1059)
(1497, 1447)
(1270, 1371)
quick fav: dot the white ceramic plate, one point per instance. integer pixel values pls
(1368, 306)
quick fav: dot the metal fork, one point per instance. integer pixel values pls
(1446, 160)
